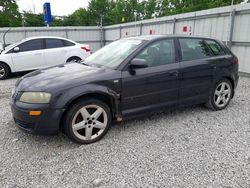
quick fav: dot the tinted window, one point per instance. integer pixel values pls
(31, 45)
(159, 53)
(67, 43)
(215, 47)
(192, 49)
(54, 43)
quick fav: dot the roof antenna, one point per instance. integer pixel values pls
(4, 42)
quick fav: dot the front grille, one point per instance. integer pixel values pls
(25, 125)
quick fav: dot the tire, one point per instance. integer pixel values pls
(4, 71)
(73, 59)
(87, 121)
(221, 95)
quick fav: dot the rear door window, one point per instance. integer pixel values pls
(215, 47)
(192, 49)
(54, 43)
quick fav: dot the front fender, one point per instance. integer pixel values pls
(6, 58)
(63, 99)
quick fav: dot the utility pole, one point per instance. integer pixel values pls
(230, 22)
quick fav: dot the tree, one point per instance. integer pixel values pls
(171, 7)
(100, 9)
(31, 20)
(9, 15)
(149, 9)
(82, 16)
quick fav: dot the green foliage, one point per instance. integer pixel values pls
(9, 15)
(30, 19)
(109, 11)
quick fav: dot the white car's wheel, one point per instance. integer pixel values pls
(4, 71)
(73, 59)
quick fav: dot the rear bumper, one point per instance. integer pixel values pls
(48, 123)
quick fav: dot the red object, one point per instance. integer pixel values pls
(86, 48)
(237, 61)
(184, 29)
(150, 31)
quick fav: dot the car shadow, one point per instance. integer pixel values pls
(18, 74)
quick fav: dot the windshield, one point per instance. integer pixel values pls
(113, 54)
(14, 44)
(11, 46)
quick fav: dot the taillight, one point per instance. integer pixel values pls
(86, 48)
(237, 61)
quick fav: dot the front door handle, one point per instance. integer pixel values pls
(38, 54)
(173, 73)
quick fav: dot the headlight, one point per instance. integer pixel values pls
(35, 97)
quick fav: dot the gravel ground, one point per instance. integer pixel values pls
(192, 147)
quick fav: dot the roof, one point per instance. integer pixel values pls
(153, 37)
(41, 37)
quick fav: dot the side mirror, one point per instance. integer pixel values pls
(16, 49)
(138, 63)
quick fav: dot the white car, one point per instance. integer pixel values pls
(40, 52)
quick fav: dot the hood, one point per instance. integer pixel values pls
(60, 77)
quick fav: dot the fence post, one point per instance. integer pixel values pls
(102, 37)
(174, 23)
(66, 32)
(120, 32)
(25, 33)
(141, 28)
(231, 29)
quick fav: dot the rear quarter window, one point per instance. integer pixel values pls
(215, 47)
(68, 43)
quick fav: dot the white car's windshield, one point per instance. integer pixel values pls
(113, 54)
(10, 46)
(14, 44)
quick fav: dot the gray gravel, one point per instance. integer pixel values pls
(192, 147)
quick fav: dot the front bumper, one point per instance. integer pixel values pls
(48, 123)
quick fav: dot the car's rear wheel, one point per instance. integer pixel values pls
(73, 59)
(4, 71)
(87, 121)
(221, 95)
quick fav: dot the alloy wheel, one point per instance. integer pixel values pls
(2, 72)
(222, 94)
(89, 122)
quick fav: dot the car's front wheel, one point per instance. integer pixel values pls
(221, 95)
(87, 121)
(4, 71)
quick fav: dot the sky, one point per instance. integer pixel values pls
(58, 7)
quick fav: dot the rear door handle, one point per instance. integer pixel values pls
(38, 54)
(174, 73)
(213, 66)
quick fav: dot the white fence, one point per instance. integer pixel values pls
(229, 24)
(89, 35)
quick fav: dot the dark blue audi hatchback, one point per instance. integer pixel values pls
(126, 78)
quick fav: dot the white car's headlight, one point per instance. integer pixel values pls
(35, 97)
